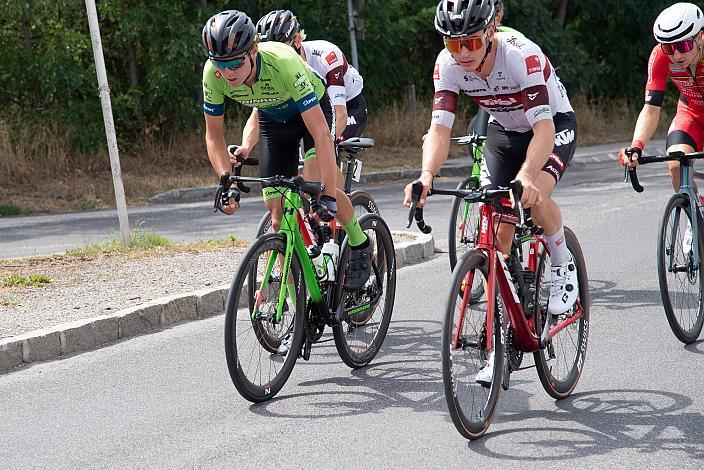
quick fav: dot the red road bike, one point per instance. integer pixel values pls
(511, 318)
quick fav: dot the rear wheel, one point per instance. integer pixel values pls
(258, 366)
(465, 351)
(366, 312)
(681, 281)
(560, 364)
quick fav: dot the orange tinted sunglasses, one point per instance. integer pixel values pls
(472, 44)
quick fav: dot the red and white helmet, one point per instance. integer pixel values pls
(677, 22)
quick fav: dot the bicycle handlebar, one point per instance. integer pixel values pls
(469, 139)
(630, 173)
(225, 190)
(472, 195)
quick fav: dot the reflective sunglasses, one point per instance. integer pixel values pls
(233, 64)
(472, 44)
(682, 47)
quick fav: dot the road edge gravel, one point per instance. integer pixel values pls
(65, 339)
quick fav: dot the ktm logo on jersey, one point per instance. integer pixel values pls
(564, 137)
(331, 58)
(533, 64)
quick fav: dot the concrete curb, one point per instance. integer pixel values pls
(452, 167)
(84, 335)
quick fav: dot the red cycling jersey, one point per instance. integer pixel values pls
(690, 109)
(691, 87)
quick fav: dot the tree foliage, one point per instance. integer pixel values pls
(153, 57)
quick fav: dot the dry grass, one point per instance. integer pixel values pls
(40, 173)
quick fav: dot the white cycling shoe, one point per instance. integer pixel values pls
(486, 373)
(563, 287)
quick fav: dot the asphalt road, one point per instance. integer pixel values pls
(166, 400)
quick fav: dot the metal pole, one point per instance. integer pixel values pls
(353, 37)
(104, 90)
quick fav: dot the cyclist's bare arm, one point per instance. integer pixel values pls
(340, 119)
(646, 125)
(436, 147)
(314, 120)
(537, 155)
(215, 143)
(217, 152)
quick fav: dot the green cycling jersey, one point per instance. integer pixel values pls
(506, 29)
(284, 86)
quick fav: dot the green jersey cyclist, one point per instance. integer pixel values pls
(292, 106)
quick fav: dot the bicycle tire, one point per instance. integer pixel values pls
(358, 342)
(470, 404)
(250, 375)
(685, 325)
(560, 364)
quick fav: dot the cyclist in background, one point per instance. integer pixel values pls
(679, 55)
(343, 82)
(293, 106)
(532, 137)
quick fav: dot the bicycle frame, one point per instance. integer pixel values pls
(299, 235)
(526, 339)
(687, 189)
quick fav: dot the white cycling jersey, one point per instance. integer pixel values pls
(521, 89)
(342, 80)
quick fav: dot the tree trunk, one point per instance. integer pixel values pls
(27, 34)
(132, 57)
(561, 12)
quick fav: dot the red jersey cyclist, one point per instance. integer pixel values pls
(679, 55)
(532, 135)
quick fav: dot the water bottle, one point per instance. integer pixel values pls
(318, 260)
(331, 252)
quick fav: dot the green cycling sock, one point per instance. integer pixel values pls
(354, 231)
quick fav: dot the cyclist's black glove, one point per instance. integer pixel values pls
(326, 208)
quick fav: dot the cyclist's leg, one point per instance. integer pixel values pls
(685, 135)
(504, 153)
(547, 214)
(564, 283)
(359, 267)
(356, 117)
(278, 144)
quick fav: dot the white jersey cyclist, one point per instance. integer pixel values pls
(342, 80)
(521, 89)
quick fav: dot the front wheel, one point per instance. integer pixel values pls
(681, 281)
(469, 345)
(261, 349)
(560, 364)
(365, 313)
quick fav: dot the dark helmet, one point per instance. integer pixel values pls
(278, 25)
(228, 34)
(498, 4)
(455, 18)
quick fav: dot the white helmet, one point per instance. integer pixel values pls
(677, 22)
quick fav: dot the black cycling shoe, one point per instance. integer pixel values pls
(359, 267)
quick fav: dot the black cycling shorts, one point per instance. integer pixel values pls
(356, 117)
(279, 142)
(505, 151)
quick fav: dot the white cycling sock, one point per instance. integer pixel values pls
(557, 246)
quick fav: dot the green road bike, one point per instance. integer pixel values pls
(277, 305)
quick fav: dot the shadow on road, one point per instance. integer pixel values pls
(599, 422)
(604, 294)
